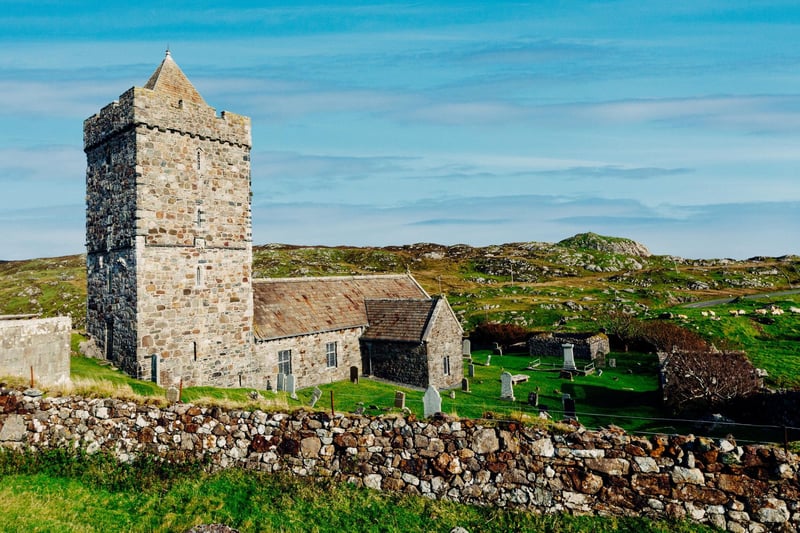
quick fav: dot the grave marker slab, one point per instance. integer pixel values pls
(281, 386)
(173, 394)
(533, 399)
(315, 396)
(612, 362)
(431, 402)
(466, 348)
(290, 386)
(465, 385)
(506, 387)
(488, 359)
(569, 357)
(568, 404)
(400, 399)
(354, 374)
(471, 370)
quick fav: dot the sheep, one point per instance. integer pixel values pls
(704, 313)
(761, 311)
(794, 310)
(712, 313)
(733, 312)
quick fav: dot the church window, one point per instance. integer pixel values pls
(285, 362)
(446, 365)
(198, 277)
(331, 355)
(199, 160)
(194, 350)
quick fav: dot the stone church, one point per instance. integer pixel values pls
(171, 296)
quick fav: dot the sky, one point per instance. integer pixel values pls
(676, 124)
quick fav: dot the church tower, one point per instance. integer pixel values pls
(168, 235)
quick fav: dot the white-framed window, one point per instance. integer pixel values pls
(284, 362)
(331, 356)
(446, 365)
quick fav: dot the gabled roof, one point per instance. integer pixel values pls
(399, 320)
(300, 306)
(170, 79)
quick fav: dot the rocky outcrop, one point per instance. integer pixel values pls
(503, 463)
(613, 245)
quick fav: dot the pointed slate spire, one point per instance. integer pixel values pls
(170, 79)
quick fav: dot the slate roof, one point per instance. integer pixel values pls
(300, 306)
(170, 79)
(399, 320)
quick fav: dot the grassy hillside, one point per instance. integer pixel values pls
(566, 286)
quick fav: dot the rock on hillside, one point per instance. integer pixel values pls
(613, 245)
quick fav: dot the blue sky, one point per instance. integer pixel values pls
(675, 124)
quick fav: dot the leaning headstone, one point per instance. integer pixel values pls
(612, 362)
(533, 399)
(498, 349)
(290, 386)
(354, 374)
(466, 348)
(506, 387)
(569, 358)
(471, 370)
(173, 394)
(568, 405)
(281, 382)
(465, 385)
(488, 359)
(431, 402)
(400, 399)
(315, 396)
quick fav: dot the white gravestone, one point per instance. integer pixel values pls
(290, 386)
(569, 358)
(431, 402)
(506, 387)
(315, 396)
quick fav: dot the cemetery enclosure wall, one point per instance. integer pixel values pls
(584, 346)
(504, 464)
(38, 345)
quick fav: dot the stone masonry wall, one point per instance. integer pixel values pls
(38, 343)
(738, 488)
(309, 361)
(403, 362)
(585, 346)
(444, 339)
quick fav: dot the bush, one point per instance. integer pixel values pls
(504, 334)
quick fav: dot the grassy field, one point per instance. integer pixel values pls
(58, 492)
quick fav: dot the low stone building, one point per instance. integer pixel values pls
(317, 329)
(589, 346)
(38, 346)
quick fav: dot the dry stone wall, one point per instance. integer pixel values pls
(38, 345)
(738, 488)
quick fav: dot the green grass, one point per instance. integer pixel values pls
(58, 492)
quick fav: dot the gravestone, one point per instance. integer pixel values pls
(533, 399)
(600, 359)
(506, 387)
(488, 359)
(290, 386)
(315, 396)
(354, 374)
(281, 386)
(431, 402)
(568, 406)
(466, 348)
(452, 395)
(569, 358)
(173, 394)
(544, 413)
(465, 385)
(498, 349)
(400, 399)
(471, 370)
(599, 372)
(612, 362)
(269, 384)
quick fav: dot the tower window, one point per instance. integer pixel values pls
(198, 159)
(446, 365)
(194, 350)
(198, 278)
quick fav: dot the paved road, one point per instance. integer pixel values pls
(721, 301)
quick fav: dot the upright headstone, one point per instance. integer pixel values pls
(506, 387)
(569, 358)
(431, 402)
(400, 399)
(466, 348)
(290, 386)
(568, 406)
(269, 384)
(315, 396)
(488, 359)
(533, 399)
(173, 394)
(612, 362)
(281, 386)
(452, 395)
(471, 370)
(353, 374)
(465, 385)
